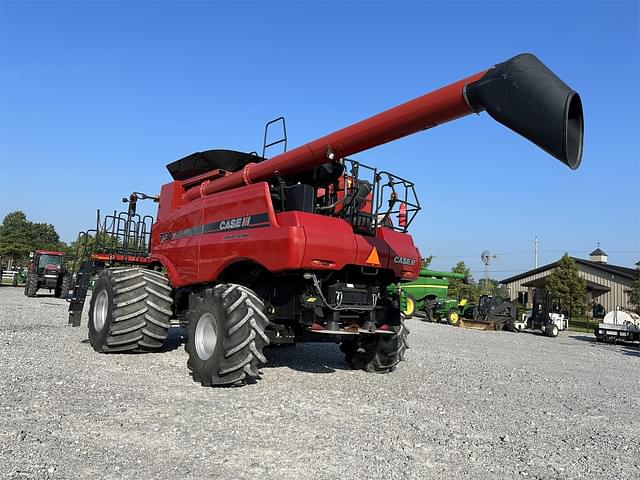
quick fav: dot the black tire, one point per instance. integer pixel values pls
(130, 310)
(379, 353)
(31, 285)
(65, 286)
(552, 331)
(226, 335)
(429, 315)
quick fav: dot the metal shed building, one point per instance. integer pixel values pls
(607, 284)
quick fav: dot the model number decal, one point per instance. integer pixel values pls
(404, 260)
(235, 236)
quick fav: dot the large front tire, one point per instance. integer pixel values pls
(65, 286)
(31, 285)
(130, 311)
(226, 335)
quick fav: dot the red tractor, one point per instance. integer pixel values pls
(47, 270)
(305, 246)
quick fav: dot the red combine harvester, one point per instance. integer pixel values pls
(47, 270)
(247, 251)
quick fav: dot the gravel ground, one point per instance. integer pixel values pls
(464, 404)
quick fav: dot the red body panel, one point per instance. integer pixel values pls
(199, 240)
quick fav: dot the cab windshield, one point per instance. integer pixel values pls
(49, 260)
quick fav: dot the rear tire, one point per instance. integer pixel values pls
(65, 286)
(379, 353)
(31, 285)
(429, 314)
(226, 335)
(130, 311)
(552, 331)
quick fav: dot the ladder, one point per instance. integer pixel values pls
(81, 286)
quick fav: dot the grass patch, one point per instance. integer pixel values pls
(582, 324)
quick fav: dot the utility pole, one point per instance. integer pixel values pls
(535, 251)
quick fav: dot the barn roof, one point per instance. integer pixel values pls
(625, 272)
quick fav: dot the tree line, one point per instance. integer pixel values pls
(19, 236)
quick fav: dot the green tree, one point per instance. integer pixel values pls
(634, 293)
(19, 236)
(44, 236)
(466, 288)
(15, 238)
(564, 283)
(491, 286)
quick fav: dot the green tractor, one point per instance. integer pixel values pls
(429, 294)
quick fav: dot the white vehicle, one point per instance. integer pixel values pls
(557, 319)
(619, 325)
(541, 319)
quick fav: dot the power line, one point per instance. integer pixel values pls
(540, 251)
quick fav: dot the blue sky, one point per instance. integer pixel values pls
(96, 97)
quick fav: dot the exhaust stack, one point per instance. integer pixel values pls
(521, 93)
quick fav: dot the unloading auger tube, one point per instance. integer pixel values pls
(521, 93)
(425, 272)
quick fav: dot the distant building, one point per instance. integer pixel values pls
(607, 284)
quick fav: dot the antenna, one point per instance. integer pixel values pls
(486, 256)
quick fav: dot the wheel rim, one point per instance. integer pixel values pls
(453, 317)
(410, 307)
(100, 310)
(206, 336)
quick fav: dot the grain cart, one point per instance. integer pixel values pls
(47, 270)
(247, 251)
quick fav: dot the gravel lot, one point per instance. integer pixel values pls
(465, 404)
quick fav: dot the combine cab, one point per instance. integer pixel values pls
(47, 270)
(247, 251)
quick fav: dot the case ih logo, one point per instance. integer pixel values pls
(235, 223)
(238, 223)
(404, 260)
